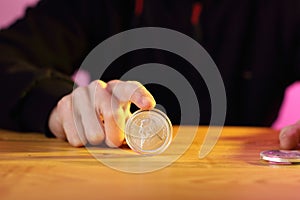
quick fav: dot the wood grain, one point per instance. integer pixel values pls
(35, 167)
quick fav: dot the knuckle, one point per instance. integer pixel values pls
(94, 83)
(114, 82)
(97, 87)
(135, 83)
(97, 84)
(137, 89)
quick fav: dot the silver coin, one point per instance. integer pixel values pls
(148, 131)
(281, 156)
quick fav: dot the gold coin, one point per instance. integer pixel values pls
(148, 131)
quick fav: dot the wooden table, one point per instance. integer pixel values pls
(35, 167)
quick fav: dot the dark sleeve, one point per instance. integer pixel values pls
(38, 55)
(291, 36)
(296, 57)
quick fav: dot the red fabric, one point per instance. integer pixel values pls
(139, 4)
(195, 17)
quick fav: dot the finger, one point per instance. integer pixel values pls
(93, 128)
(55, 124)
(90, 114)
(71, 126)
(113, 115)
(87, 119)
(127, 111)
(114, 123)
(289, 137)
(131, 91)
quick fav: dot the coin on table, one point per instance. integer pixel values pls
(148, 131)
(281, 156)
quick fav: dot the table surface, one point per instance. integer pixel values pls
(35, 167)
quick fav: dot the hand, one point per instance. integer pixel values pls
(97, 113)
(289, 137)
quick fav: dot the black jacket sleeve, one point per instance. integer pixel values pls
(38, 55)
(40, 52)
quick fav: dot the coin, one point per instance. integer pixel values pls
(148, 131)
(281, 156)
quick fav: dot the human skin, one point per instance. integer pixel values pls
(289, 137)
(97, 113)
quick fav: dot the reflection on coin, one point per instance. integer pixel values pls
(281, 156)
(148, 131)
